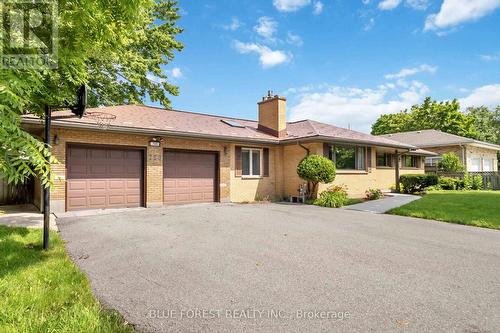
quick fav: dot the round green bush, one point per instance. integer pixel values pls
(316, 169)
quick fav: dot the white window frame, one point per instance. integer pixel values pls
(479, 165)
(250, 167)
(492, 165)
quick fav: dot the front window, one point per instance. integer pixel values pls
(488, 165)
(475, 164)
(384, 160)
(348, 158)
(432, 161)
(250, 160)
(410, 161)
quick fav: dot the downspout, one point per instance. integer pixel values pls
(464, 160)
(307, 154)
(304, 147)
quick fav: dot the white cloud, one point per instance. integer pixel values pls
(455, 12)
(405, 72)
(176, 73)
(318, 8)
(267, 57)
(418, 4)
(388, 4)
(234, 25)
(266, 27)
(392, 4)
(294, 39)
(488, 95)
(290, 5)
(357, 107)
(369, 25)
(490, 57)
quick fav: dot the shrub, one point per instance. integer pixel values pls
(450, 183)
(433, 188)
(467, 185)
(477, 182)
(333, 197)
(316, 169)
(450, 162)
(373, 194)
(413, 183)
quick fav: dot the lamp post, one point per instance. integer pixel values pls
(46, 189)
(79, 110)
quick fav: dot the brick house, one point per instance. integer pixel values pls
(150, 157)
(475, 155)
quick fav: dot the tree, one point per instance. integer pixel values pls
(117, 48)
(316, 169)
(443, 116)
(450, 162)
(486, 123)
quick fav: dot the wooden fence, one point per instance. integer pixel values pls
(15, 194)
(491, 179)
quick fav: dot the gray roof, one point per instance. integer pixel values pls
(434, 138)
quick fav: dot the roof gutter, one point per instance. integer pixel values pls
(360, 142)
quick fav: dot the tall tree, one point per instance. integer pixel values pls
(117, 48)
(443, 116)
(486, 122)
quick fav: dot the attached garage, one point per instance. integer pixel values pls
(104, 177)
(190, 177)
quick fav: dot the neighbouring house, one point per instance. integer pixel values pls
(151, 156)
(476, 156)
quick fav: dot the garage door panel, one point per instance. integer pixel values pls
(104, 178)
(189, 177)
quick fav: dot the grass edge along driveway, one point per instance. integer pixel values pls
(475, 208)
(43, 291)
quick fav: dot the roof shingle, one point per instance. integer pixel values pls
(189, 123)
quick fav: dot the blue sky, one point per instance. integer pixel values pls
(343, 62)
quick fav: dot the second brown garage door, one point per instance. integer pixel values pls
(104, 178)
(189, 177)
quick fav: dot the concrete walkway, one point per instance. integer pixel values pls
(24, 216)
(385, 204)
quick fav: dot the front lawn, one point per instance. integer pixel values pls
(477, 208)
(44, 291)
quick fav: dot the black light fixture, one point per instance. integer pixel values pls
(56, 140)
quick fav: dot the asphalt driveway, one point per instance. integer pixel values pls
(284, 268)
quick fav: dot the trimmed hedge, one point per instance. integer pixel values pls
(413, 183)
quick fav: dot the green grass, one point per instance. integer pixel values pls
(477, 208)
(43, 291)
(353, 201)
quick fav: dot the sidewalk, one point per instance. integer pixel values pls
(24, 216)
(385, 204)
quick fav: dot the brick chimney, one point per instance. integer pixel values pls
(272, 115)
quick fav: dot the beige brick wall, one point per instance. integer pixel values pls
(282, 181)
(249, 189)
(154, 160)
(483, 154)
(272, 114)
(357, 182)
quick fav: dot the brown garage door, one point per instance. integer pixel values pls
(189, 177)
(104, 178)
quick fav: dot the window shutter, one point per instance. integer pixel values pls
(326, 150)
(369, 157)
(237, 161)
(266, 161)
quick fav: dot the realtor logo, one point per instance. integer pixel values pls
(29, 34)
